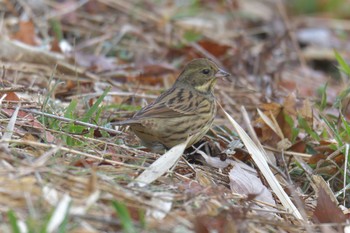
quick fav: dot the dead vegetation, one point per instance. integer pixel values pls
(69, 68)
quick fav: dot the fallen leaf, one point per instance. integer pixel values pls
(290, 104)
(161, 165)
(153, 74)
(246, 182)
(27, 119)
(214, 48)
(10, 96)
(314, 159)
(327, 210)
(163, 202)
(26, 33)
(306, 111)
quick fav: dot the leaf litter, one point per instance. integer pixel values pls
(62, 162)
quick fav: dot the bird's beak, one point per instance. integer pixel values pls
(222, 74)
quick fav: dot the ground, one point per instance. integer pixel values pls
(275, 160)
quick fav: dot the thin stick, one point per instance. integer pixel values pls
(112, 131)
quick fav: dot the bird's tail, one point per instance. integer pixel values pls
(125, 122)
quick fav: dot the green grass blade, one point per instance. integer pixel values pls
(124, 216)
(304, 125)
(13, 221)
(346, 125)
(342, 95)
(343, 65)
(334, 130)
(51, 90)
(87, 116)
(57, 29)
(69, 113)
(323, 103)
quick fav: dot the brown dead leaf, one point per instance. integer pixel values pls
(157, 69)
(314, 159)
(324, 150)
(10, 96)
(208, 224)
(273, 108)
(290, 104)
(55, 47)
(299, 146)
(214, 48)
(94, 7)
(70, 84)
(153, 74)
(26, 33)
(276, 113)
(231, 220)
(242, 155)
(118, 99)
(306, 111)
(84, 163)
(327, 210)
(269, 109)
(288, 84)
(340, 159)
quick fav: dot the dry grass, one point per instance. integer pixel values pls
(63, 169)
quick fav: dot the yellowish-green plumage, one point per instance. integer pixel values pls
(187, 108)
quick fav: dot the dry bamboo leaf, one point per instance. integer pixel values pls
(163, 201)
(59, 214)
(10, 127)
(88, 203)
(161, 165)
(50, 195)
(259, 158)
(271, 124)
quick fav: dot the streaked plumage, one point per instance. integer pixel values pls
(187, 108)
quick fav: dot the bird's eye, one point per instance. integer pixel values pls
(206, 71)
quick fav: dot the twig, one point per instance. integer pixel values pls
(114, 93)
(304, 155)
(65, 149)
(112, 131)
(290, 30)
(13, 89)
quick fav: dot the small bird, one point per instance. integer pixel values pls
(188, 108)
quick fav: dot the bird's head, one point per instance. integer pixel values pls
(201, 74)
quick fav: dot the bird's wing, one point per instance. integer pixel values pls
(175, 102)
